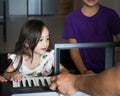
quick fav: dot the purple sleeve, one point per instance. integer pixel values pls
(114, 23)
(68, 29)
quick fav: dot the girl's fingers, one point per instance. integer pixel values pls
(17, 77)
(2, 79)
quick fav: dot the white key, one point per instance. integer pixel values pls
(29, 81)
(48, 80)
(18, 83)
(23, 82)
(14, 83)
(37, 81)
(34, 81)
(42, 80)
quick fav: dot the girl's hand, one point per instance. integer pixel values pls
(2, 79)
(16, 77)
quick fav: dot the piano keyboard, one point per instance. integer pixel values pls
(32, 82)
(31, 85)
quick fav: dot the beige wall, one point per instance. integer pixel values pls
(114, 4)
(76, 3)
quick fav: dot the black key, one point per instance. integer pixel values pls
(21, 84)
(32, 83)
(26, 83)
(46, 83)
(40, 83)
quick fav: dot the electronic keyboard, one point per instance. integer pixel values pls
(31, 85)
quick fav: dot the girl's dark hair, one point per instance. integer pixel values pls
(29, 37)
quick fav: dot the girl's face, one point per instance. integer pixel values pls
(90, 3)
(43, 43)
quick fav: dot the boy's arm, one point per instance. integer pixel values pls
(75, 55)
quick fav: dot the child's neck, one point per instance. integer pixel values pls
(33, 63)
(90, 11)
(36, 58)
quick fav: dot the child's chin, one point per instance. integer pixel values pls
(42, 52)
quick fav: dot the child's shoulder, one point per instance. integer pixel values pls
(11, 55)
(49, 54)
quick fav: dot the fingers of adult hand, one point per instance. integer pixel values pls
(53, 78)
(65, 84)
(53, 86)
(66, 90)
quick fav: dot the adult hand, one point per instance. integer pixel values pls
(64, 83)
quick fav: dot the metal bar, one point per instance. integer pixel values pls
(109, 52)
(109, 57)
(87, 45)
(57, 61)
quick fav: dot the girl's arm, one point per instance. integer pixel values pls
(9, 72)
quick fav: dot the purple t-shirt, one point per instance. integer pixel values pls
(99, 28)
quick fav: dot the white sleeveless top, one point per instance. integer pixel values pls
(43, 69)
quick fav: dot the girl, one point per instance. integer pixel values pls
(32, 56)
(4, 63)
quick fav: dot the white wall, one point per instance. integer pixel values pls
(17, 7)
